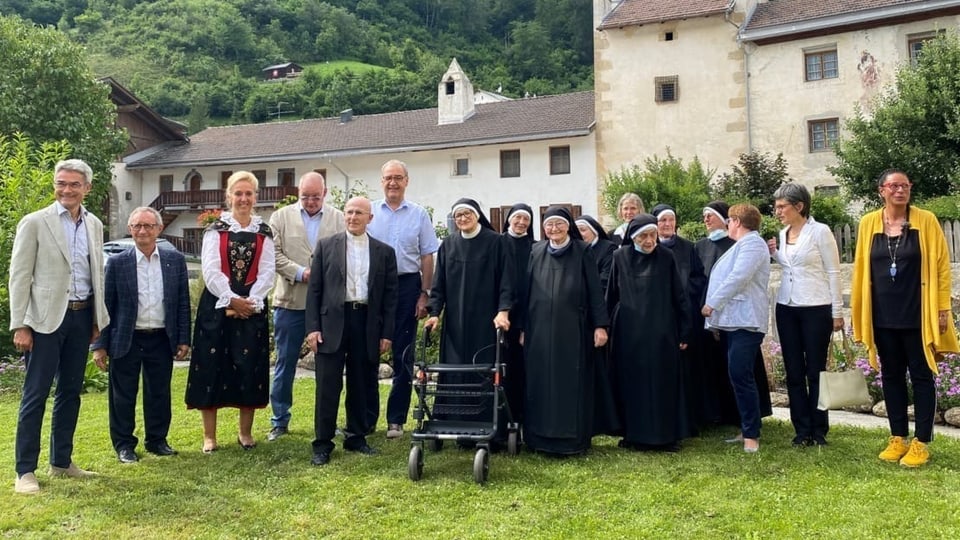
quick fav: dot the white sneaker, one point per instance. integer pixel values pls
(27, 484)
(394, 431)
(72, 472)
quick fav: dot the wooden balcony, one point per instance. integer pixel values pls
(204, 199)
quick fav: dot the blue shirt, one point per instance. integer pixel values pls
(407, 230)
(311, 225)
(81, 283)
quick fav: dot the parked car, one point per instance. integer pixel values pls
(122, 244)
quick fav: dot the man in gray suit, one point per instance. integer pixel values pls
(148, 299)
(296, 230)
(56, 312)
(351, 306)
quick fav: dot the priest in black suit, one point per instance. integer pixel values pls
(351, 305)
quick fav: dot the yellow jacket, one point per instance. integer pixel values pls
(934, 285)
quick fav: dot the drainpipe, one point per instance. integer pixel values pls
(746, 73)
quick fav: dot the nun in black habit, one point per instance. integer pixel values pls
(518, 236)
(651, 326)
(599, 244)
(565, 323)
(472, 289)
(719, 406)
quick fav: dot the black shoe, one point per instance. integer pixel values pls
(250, 446)
(364, 449)
(320, 458)
(801, 442)
(818, 440)
(277, 432)
(127, 455)
(161, 449)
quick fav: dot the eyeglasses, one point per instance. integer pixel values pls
(556, 225)
(311, 198)
(355, 213)
(143, 226)
(394, 178)
(60, 184)
(463, 215)
(779, 207)
(898, 187)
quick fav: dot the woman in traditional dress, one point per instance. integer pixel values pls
(809, 307)
(651, 326)
(518, 236)
(900, 299)
(472, 290)
(629, 205)
(737, 306)
(566, 321)
(230, 364)
(599, 245)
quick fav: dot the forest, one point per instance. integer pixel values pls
(200, 61)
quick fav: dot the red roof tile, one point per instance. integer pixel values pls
(522, 119)
(637, 12)
(776, 12)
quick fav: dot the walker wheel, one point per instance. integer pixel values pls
(415, 463)
(481, 466)
(435, 445)
(513, 443)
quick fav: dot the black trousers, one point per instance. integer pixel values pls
(901, 350)
(351, 354)
(150, 353)
(61, 354)
(804, 339)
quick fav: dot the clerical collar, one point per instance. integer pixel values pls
(362, 237)
(515, 235)
(560, 246)
(473, 233)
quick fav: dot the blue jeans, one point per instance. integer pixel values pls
(742, 349)
(289, 329)
(405, 331)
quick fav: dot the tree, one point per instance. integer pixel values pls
(753, 180)
(915, 127)
(48, 93)
(26, 185)
(684, 187)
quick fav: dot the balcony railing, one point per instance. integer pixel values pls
(172, 201)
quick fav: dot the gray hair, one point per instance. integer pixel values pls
(145, 209)
(632, 197)
(794, 194)
(75, 165)
(396, 162)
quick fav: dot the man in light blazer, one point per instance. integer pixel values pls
(351, 306)
(56, 312)
(147, 294)
(296, 230)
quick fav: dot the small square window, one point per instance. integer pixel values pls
(823, 134)
(668, 35)
(261, 175)
(559, 160)
(166, 183)
(667, 89)
(461, 166)
(509, 163)
(915, 43)
(821, 65)
(285, 177)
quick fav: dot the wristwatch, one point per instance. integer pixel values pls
(425, 291)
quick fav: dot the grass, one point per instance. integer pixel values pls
(325, 68)
(709, 490)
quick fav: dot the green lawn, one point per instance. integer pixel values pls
(709, 490)
(329, 67)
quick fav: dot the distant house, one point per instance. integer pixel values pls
(717, 78)
(281, 71)
(539, 151)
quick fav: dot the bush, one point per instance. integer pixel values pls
(946, 208)
(831, 210)
(754, 179)
(685, 188)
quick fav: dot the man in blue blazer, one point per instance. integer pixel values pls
(147, 296)
(351, 307)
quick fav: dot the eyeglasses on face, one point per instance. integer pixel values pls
(463, 215)
(898, 187)
(352, 212)
(311, 198)
(60, 184)
(143, 226)
(556, 225)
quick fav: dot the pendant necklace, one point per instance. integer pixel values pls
(892, 252)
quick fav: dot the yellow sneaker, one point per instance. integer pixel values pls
(917, 456)
(895, 450)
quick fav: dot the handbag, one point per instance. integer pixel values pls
(839, 389)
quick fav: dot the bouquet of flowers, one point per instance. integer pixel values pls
(208, 216)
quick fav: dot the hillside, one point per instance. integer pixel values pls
(200, 60)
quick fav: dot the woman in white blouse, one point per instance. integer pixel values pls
(809, 306)
(230, 364)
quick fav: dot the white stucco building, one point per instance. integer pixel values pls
(539, 151)
(717, 78)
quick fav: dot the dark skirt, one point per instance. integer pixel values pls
(230, 364)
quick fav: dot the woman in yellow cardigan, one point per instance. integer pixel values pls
(901, 310)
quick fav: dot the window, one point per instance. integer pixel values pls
(321, 172)
(667, 89)
(461, 166)
(509, 163)
(821, 65)
(261, 175)
(915, 44)
(450, 88)
(559, 160)
(166, 183)
(823, 134)
(223, 178)
(668, 35)
(285, 177)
